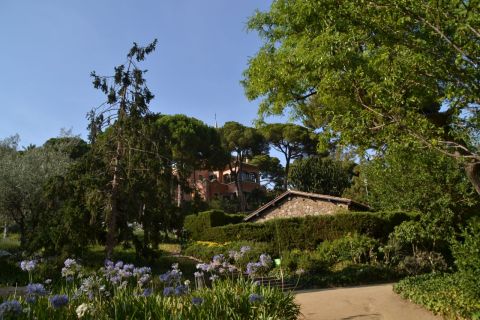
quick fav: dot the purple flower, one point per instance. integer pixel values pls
(59, 300)
(119, 264)
(253, 298)
(36, 289)
(218, 259)
(28, 265)
(203, 266)
(198, 274)
(245, 249)
(265, 260)
(147, 292)
(165, 277)
(168, 291)
(69, 263)
(31, 299)
(181, 290)
(213, 277)
(197, 301)
(10, 308)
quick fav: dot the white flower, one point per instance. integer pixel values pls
(82, 310)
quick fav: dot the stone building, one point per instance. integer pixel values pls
(293, 203)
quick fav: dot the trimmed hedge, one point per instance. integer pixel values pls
(196, 224)
(304, 233)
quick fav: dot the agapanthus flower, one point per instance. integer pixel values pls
(119, 264)
(147, 292)
(71, 268)
(168, 291)
(265, 260)
(28, 265)
(59, 300)
(83, 309)
(213, 277)
(245, 249)
(198, 274)
(197, 301)
(181, 290)
(10, 308)
(144, 280)
(254, 298)
(48, 281)
(30, 299)
(141, 271)
(36, 289)
(218, 259)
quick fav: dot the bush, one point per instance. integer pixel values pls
(467, 257)
(353, 248)
(441, 294)
(196, 224)
(302, 261)
(304, 233)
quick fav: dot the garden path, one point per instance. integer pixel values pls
(373, 302)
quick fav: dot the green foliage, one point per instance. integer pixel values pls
(292, 140)
(413, 178)
(354, 248)
(197, 223)
(305, 233)
(271, 171)
(467, 257)
(441, 293)
(241, 143)
(22, 177)
(73, 146)
(415, 80)
(319, 175)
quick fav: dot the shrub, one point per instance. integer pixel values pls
(441, 294)
(354, 248)
(302, 261)
(304, 233)
(196, 224)
(467, 257)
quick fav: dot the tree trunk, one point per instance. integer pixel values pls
(472, 170)
(241, 196)
(112, 213)
(287, 169)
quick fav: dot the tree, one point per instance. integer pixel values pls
(292, 140)
(22, 177)
(127, 101)
(413, 178)
(319, 175)
(193, 145)
(242, 143)
(374, 71)
(272, 173)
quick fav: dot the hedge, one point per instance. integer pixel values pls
(196, 224)
(304, 233)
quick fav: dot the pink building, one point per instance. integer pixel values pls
(221, 184)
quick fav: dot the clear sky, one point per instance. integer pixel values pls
(49, 47)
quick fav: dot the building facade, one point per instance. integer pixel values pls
(221, 184)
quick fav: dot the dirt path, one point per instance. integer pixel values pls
(359, 303)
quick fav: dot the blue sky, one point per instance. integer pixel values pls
(50, 47)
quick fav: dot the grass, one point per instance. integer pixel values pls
(11, 243)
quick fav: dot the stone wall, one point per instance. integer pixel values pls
(296, 206)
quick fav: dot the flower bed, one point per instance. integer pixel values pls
(124, 291)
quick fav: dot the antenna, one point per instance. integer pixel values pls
(216, 124)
